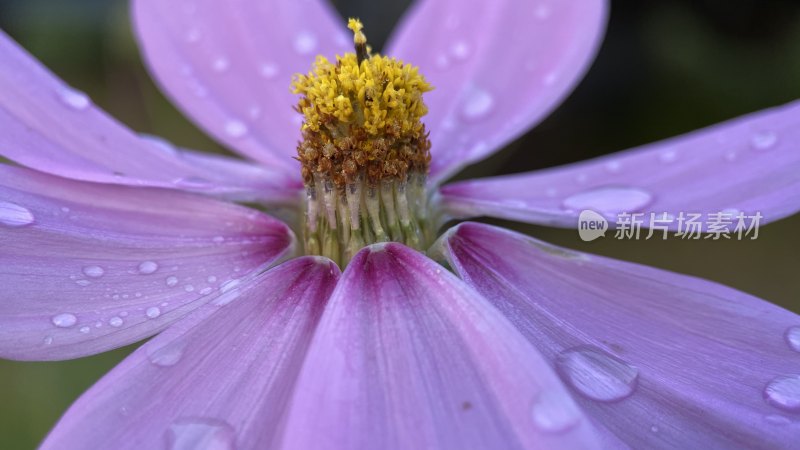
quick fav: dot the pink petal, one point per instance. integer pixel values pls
(658, 359)
(406, 356)
(53, 128)
(88, 267)
(228, 65)
(749, 165)
(221, 378)
(498, 68)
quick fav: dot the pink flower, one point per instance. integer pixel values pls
(104, 241)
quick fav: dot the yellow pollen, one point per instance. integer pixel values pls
(362, 117)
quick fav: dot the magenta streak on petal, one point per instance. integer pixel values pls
(498, 68)
(53, 128)
(222, 375)
(406, 356)
(657, 359)
(228, 65)
(90, 267)
(748, 165)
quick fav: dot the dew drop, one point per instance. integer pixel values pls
(193, 35)
(305, 43)
(153, 312)
(543, 12)
(235, 128)
(668, 156)
(609, 199)
(477, 104)
(220, 64)
(48, 340)
(64, 320)
(74, 99)
(613, 166)
(554, 412)
(84, 330)
(206, 291)
(776, 419)
(229, 286)
(192, 183)
(211, 279)
(597, 374)
(764, 140)
(784, 392)
(14, 215)
(654, 429)
(550, 79)
(194, 433)
(793, 338)
(83, 283)
(442, 62)
(148, 267)
(460, 50)
(172, 281)
(161, 144)
(188, 288)
(167, 355)
(115, 322)
(93, 271)
(269, 70)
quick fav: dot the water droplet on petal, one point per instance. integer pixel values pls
(784, 392)
(305, 43)
(64, 320)
(83, 283)
(776, 419)
(14, 215)
(148, 267)
(160, 143)
(235, 128)
(793, 338)
(542, 12)
(477, 104)
(206, 291)
(221, 64)
(460, 50)
(85, 330)
(609, 199)
(167, 355)
(115, 322)
(93, 271)
(196, 433)
(554, 412)
(193, 183)
(597, 374)
(269, 70)
(211, 279)
(668, 156)
(188, 288)
(172, 281)
(153, 312)
(74, 99)
(613, 166)
(764, 140)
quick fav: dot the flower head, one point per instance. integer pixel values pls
(508, 343)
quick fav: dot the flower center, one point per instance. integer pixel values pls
(365, 152)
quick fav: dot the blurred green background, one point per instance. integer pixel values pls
(665, 68)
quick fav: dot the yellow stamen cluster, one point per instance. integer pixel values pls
(362, 117)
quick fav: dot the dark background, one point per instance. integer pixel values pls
(666, 67)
